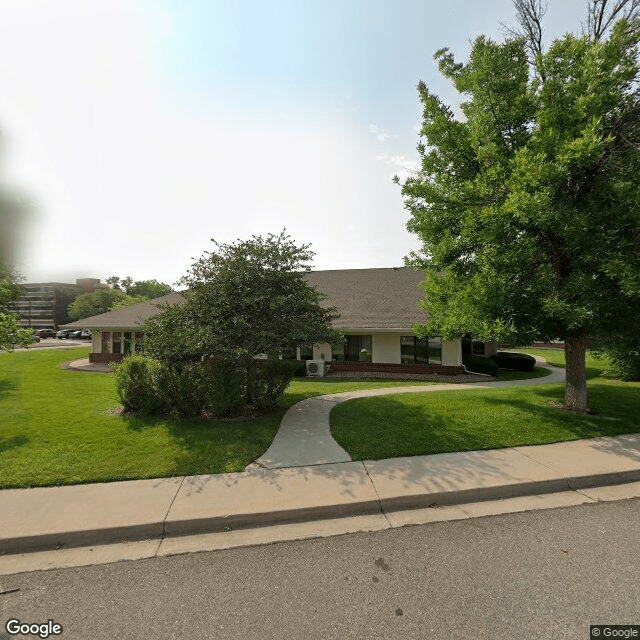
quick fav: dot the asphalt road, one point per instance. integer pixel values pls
(535, 575)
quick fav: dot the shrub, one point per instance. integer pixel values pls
(184, 387)
(480, 364)
(514, 361)
(272, 379)
(225, 387)
(136, 384)
(622, 354)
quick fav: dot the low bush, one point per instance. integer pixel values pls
(226, 387)
(137, 384)
(184, 388)
(622, 354)
(480, 364)
(272, 379)
(514, 361)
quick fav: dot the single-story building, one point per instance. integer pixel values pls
(377, 307)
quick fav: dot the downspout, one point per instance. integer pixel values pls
(475, 373)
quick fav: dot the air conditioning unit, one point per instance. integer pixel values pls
(315, 368)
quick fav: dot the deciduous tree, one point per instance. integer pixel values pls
(527, 202)
(243, 299)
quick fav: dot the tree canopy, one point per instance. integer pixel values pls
(149, 289)
(101, 300)
(527, 203)
(243, 299)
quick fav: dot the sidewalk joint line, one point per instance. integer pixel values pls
(163, 535)
(384, 515)
(532, 459)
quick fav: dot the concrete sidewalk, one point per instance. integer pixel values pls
(304, 437)
(164, 510)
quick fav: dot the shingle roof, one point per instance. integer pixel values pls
(128, 317)
(365, 299)
(372, 298)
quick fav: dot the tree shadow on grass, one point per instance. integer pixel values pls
(212, 446)
(13, 442)
(7, 384)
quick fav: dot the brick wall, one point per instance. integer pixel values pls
(382, 367)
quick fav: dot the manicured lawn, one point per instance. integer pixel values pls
(555, 357)
(55, 429)
(464, 420)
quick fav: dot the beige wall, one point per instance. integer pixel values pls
(490, 348)
(96, 341)
(385, 348)
(451, 353)
(322, 351)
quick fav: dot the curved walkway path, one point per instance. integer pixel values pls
(304, 437)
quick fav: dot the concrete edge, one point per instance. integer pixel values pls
(81, 538)
(170, 529)
(218, 524)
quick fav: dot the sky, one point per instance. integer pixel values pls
(140, 130)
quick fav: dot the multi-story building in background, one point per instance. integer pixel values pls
(44, 304)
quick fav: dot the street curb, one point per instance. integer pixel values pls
(160, 530)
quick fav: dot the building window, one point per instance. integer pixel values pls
(306, 352)
(106, 335)
(355, 349)
(117, 342)
(472, 347)
(127, 343)
(414, 350)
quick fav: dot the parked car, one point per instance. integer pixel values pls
(74, 335)
(86, 334)
(45, 333)
(63, 333)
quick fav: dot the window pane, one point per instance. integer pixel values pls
(478, 348)
(127, 342)
(106, 335)
(435, 350)
(117, 342)
(364, 354)
(407, 349)
(422, 351)
(306, 352)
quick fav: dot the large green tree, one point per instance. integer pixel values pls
(243, 299)
(101, 300)
(147, 288)
(527, 202)
(11, 333)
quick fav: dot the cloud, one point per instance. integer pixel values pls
(382, 135)
(405, 167)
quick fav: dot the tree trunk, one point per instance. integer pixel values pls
(575, 348)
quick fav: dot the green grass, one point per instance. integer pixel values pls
(54, 429)
(555, 357)
(465, 420)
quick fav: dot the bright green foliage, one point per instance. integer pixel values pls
(245, 299)
(623, 355)
(149, 387)
(271, 382)
(11, 333)
(136, 379)
(103, 299)
(528, 205)
(149, 289)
